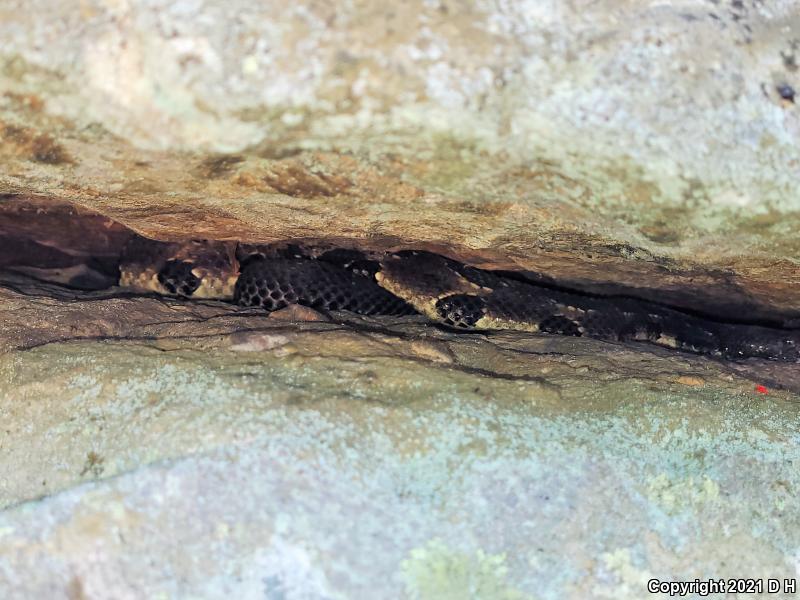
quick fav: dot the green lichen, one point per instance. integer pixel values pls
(675, 495)
(437, 572)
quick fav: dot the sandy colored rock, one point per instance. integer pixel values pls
(648, 145)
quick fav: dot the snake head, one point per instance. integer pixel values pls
(198, 268)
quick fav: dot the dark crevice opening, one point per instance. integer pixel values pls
(64, 244)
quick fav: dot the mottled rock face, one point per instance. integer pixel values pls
(206, 436)
(649, 147)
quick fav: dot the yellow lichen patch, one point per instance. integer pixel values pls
(436, 571)
(679, 494)
(627, 578)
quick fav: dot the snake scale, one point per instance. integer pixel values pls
(444, 290)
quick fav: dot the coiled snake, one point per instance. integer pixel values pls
(444, 290)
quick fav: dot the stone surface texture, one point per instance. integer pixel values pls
(153, 448)
(190, 452)
(632, 141)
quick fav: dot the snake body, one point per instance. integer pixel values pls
(444, 290)
(276, 283)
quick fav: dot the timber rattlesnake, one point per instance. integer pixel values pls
(440, 288)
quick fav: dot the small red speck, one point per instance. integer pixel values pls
(761, 389)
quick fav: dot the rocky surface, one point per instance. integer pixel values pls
(346, 457)
(648, 144)
(164, 449)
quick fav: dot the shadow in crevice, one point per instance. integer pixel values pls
(60, 242)
(63, 243)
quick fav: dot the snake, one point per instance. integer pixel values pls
(447, 292)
